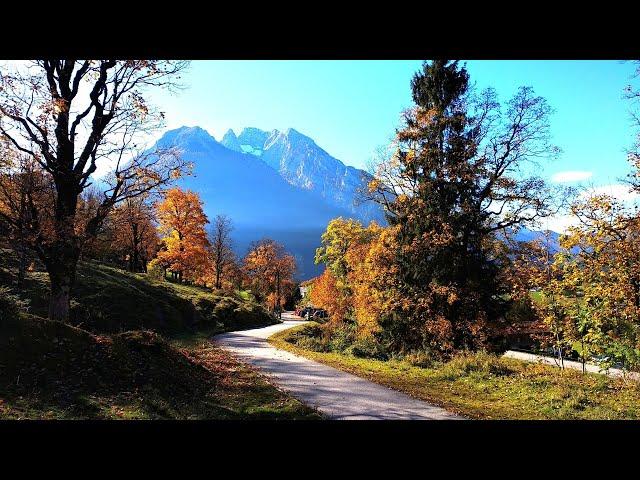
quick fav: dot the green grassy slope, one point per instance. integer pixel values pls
(137, 349)
(49, 370)
(109, 300)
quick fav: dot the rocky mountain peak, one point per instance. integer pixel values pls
(230, 140)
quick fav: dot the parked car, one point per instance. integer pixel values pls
(320, 314)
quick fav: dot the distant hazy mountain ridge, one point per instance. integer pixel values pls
(237, 177)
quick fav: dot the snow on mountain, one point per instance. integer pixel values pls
(302, 163)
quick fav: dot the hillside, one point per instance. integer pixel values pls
(136, 348)
(109, 300)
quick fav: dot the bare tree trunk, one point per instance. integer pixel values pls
(62, 257)
(134, 267)
(62, 272)
(278, 292)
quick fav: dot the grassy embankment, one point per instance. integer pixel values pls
(485, 386)
(137, 349)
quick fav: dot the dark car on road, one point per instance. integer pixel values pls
(320, 314)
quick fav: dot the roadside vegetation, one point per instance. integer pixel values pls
(477, 385)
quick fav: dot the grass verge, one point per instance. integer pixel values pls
(483, 386)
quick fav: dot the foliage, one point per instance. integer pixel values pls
(326, 294)
(155, 271)
(600, 269)
(186, 246)
(270, 270)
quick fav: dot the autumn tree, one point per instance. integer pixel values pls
(182, 223)
(222, 255)
(335, 292)
(599, 281)
(270, 271)
(72, 118)
(135, 232)
(461, 173)
(327, 295)
(26, 193)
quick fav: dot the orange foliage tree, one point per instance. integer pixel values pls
(326, 294)
(182, 226)
(134, 233)
(270, 270)
(334, 290)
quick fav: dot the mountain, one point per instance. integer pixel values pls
(256, 196)
(302, 163)
(230, 141)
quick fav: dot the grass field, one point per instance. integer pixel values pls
(484, 386)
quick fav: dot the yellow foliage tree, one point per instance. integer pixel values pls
(597, 283)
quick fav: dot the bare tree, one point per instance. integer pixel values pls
(72, 117)
(221, 251)
(133, 222)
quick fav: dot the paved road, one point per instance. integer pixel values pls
(337, 394)
(530, 357)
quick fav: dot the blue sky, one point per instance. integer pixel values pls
(352, 107)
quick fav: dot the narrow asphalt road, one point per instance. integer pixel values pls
(336, 394)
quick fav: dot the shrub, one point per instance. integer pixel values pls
(368, 347)
(11, 304)
(155, 270)
(421, 359)
(310, 337)
(315, 344)
(341, 337)
(480, 363)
